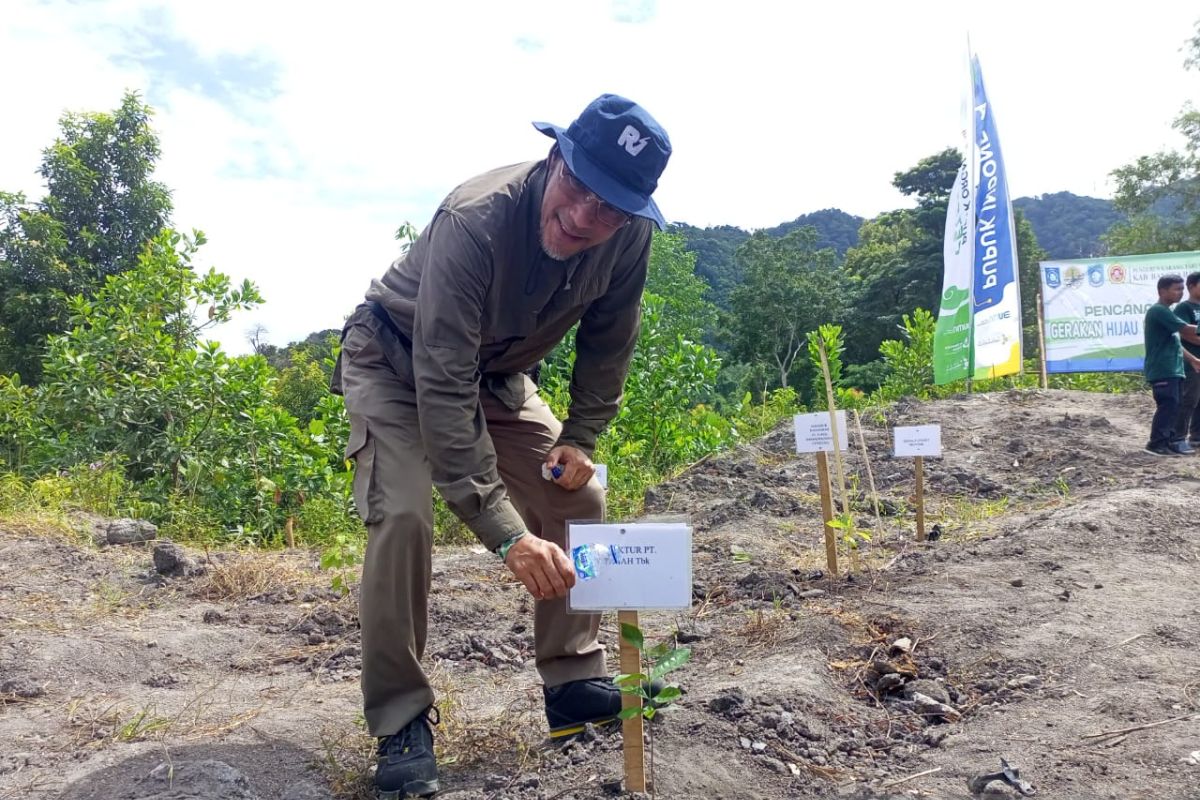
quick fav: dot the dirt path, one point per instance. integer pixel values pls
(1060, 602)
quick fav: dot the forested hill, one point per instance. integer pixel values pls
(1066, 225)
(1069, 225)
(714, 247)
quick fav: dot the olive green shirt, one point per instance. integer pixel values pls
(1189, 312)
(481, 302)
(1164, 356)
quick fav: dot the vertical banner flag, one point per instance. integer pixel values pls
(995, 290)
(978, 332)
(952, 336)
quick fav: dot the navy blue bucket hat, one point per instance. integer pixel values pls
(618, 151)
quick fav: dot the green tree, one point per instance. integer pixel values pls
(897, 265)
(790, 288)
(100, 210)
(1161, 192)
(687, 310)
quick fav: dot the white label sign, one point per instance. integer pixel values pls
(919, 440)
(813, 434)
(637, 566)
(602, 474)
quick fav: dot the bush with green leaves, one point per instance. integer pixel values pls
(831, 337)
(197, 432)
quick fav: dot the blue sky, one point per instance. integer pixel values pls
(300, 137)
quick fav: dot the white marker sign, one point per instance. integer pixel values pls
(631, 567)
(813, 434)
(919, 440)
(602, 474)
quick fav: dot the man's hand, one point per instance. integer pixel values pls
(577, 468)
(542, 566)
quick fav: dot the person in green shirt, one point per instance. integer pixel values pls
(1187, 421)
(1164, 366)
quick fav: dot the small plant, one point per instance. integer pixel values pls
(658, 662)
(852, 535)
(341, 556)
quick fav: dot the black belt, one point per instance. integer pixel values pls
(383, 316)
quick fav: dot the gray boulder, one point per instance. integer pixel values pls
(130, 531)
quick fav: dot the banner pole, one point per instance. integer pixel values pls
(1041, 319)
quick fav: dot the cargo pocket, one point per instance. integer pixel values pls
(361, 448)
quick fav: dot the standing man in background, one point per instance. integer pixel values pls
(1163, 366)
(1187, 421)
(433, 368)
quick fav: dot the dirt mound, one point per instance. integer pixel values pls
(1054, 616)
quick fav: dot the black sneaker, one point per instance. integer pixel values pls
(573, 705)
(1181, 447)
(1161, 450)
(405, 766)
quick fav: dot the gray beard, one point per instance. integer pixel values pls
(557, 256)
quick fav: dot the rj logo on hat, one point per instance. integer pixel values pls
(633, 141)
(587, 148)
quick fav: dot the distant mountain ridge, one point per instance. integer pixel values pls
(1066, 225)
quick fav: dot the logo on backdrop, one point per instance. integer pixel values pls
(1073, 277)
(632, 140)
(1053, 277)
(1096, 274)
(1116, 274)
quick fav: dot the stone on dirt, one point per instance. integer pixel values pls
(171, 559)
(129, 531)
(192, 780)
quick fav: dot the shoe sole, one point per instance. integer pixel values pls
(576, 728)
(414, 789)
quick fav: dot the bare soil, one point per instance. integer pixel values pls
(1059, 602)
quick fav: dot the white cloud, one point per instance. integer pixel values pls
(377, 110)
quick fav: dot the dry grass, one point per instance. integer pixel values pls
(245, 575)
(504, 736)
(764, 628)
(96, 719)
(501, 734)
(345, 758)
(41, 524)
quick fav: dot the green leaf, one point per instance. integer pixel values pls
(668, 695)
(633, 679)
(629, 713)
(673, 661)
(649, 711)
(633, 635)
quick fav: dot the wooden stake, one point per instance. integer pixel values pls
(862, 442)
(919, 469)
(837, 451)
(289, 531)
(833, 426)
(1041, 316)
(831, 559)
(633, 744)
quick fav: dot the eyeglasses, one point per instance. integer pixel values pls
(607, 214)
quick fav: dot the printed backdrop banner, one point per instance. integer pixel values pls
(1094, 309)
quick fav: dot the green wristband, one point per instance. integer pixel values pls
(503, 549)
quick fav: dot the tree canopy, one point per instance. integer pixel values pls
(101, 208)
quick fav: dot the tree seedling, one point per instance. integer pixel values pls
(657, 662)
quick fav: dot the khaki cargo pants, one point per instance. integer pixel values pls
(393, 493)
